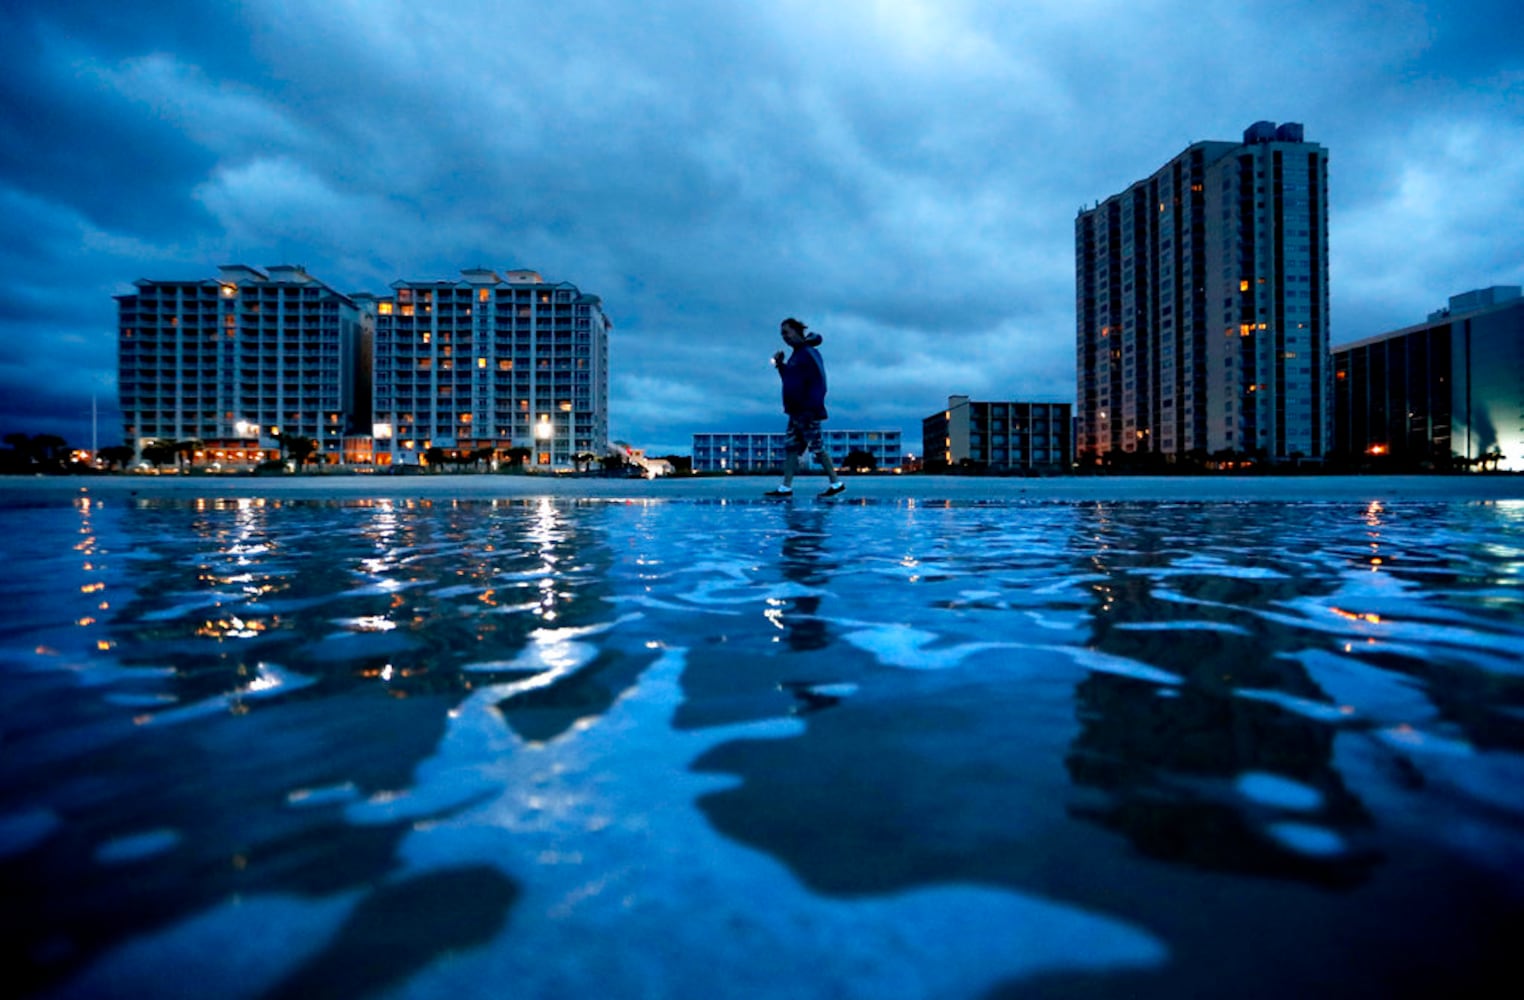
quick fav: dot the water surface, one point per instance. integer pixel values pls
(294, 747)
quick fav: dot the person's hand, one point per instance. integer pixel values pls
(777, 358)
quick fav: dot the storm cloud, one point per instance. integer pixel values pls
(902, 175)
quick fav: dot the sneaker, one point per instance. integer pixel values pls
(834, 489)
(780, 491)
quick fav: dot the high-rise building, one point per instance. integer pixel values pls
(491, 361)
(764, 452)
(1443, 394)
(238, 360)
(1201, 300)
(999, 436)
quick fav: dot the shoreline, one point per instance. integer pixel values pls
(878, 488)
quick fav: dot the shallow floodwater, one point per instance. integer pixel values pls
(558, 748)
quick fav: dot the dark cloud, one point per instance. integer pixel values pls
(904, 176)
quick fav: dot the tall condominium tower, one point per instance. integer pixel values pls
(1201, 301)
(491, 361)
(236, 360)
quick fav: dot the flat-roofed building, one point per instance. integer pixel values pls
(998, 436)
(491, 361)
(238, 360)
(1202, 306)
(764, 452)
(1445, 393)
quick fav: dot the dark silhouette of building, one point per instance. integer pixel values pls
(1446, 393)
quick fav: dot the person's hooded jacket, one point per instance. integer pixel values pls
(804, 380)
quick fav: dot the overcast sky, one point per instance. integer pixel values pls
(901, 175)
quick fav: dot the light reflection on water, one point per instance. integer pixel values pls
(222, 698)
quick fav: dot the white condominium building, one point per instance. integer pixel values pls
(1202, 306)
(491, 361)
(235, 360)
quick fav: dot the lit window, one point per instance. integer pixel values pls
(1243, 285)
(481, 362)
(384, 308)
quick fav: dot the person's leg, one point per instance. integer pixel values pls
(824, 458)
(791, 453)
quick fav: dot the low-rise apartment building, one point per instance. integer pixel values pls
(999, 436)
(764, 452)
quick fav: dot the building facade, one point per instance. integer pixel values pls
(722, 452)
(1446, 393)
(491, 361)
(1201, 304)
(998, 436)
(236, 361)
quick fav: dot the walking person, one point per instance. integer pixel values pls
(804, 392)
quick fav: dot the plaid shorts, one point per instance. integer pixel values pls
(803, 435)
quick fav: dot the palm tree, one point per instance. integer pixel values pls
(157, 453)
(51, 448)
(860, 460)
(302, 449)
(187, 449)
(116, 456)
(20, 458)
(518, 455)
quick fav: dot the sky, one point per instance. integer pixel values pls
(901, 175)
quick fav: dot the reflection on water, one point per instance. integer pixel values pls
(1289, 715)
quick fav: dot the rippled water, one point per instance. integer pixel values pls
(678, 748)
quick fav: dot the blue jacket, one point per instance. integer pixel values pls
(804, 383)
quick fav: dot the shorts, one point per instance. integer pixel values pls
(803, 435)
